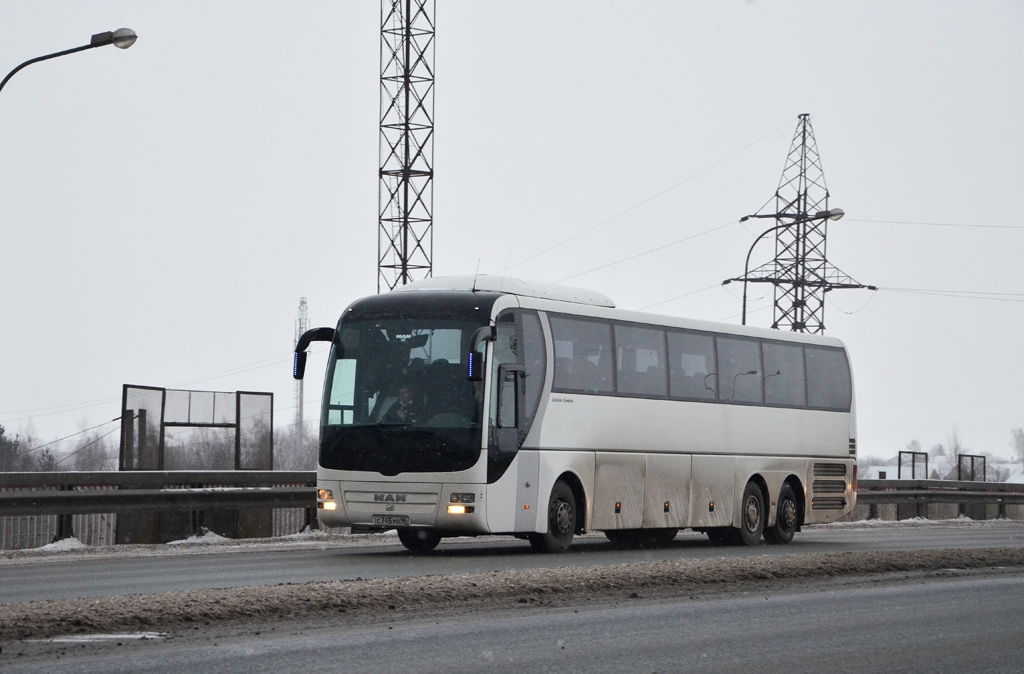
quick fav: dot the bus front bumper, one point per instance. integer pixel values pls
(449, 507)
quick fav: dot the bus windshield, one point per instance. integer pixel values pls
(397, 397)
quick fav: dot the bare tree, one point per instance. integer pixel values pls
(1018, 442)
(295, 449)
(91, 453)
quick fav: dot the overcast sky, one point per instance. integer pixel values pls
(163, 209)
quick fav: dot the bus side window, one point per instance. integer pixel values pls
(583, 359)
(505, 352)
(784, 382)
(534, 358)
(640, 361)
(693, 370)
(739, 367)
(828, 379)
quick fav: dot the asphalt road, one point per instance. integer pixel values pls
(958, 624)
(84, 577)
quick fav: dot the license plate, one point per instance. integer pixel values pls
(390, 520)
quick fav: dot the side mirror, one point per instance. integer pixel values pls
(475, 361)
(475, 366)
(299, 366)
(308, 337)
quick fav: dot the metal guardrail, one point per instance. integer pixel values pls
(142, 491)
(153, 491)
(911, 492)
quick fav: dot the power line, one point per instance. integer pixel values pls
(961, 294)
(73, 407)
(652, 250)
(935, 224)
(74, 434)
(88, 445)
(649, 199)
(679, 297)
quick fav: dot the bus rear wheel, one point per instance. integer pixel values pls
(561, 521)
(419, 540)
(785, 518)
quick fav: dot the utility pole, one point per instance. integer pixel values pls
(301, 326)
(406, 189)
(800, 271)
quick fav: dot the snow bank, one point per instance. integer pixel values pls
(64, 545)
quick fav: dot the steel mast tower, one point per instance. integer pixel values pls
(301, 326)
(406, 189)
(800, 271)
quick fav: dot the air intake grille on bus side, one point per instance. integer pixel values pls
(829, 469)
(828, 503)
(829, 486)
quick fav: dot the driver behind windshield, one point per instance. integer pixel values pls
(404, 410)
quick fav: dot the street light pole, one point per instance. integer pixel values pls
(831, 214)
(122, 38)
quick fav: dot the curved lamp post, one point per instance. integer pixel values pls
(831, 214)
(122, 38)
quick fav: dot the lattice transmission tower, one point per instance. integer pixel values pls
(800, 271)
(406, 190)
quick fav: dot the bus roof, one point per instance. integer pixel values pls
(512, 286)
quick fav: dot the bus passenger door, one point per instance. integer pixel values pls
(510, 408)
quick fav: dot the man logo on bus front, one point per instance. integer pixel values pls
(398, 498)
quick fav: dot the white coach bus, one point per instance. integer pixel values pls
(485, 405)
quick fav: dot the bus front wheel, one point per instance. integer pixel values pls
(561, 521)
(419, 540)
(751, 516)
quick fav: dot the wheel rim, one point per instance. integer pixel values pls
(751, 514)
(561, 518)
(787, 514)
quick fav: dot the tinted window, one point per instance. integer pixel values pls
(692, 365)
(506, 352)
(739, 367)
(583, 355)
(641, 361)
(784, 382)
(828, 379)
(534, 358)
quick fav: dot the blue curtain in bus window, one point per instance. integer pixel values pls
(693, 373)
(739, 367)
(784, 382)
(583, 355)
(534, 358)
(828, 379)
(640, 358)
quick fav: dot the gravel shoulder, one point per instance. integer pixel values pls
(361, 601)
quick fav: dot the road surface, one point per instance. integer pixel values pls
(75, 577)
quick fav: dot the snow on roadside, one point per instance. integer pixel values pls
(207, 538)
(63, 545)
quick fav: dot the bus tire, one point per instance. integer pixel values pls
(751, 516)
(561, 521)
(786, 518)
(419, 540)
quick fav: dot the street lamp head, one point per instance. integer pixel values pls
(124, 38)
(831, 214)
